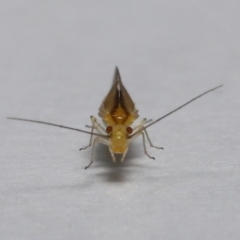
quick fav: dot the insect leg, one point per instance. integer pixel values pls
(95, 126)
(140, 124)
(123, 156)
(144, 146)
(112, 155)
(150, 142)
(144, 142)
(90, 142)
(93, 149)
(148, 120)
(96, 139)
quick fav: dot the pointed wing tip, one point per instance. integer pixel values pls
(117, 73)
(117, 76)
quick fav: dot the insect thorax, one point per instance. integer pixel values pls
(119, 117)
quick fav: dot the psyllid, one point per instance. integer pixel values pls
(118, 114)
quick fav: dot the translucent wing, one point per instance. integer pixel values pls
(117, 97)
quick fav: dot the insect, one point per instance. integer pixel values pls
(118, 113)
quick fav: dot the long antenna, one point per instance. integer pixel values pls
(159, 119)
(56, 125)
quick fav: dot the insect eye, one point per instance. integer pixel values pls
(109, 129)
(129, 130)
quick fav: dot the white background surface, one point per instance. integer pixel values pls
(56, 64)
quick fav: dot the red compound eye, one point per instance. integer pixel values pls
(129, 130)
(108, 129)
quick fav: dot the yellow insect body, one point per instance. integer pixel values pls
(119, 120)
(118, 112)
(118, 139)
